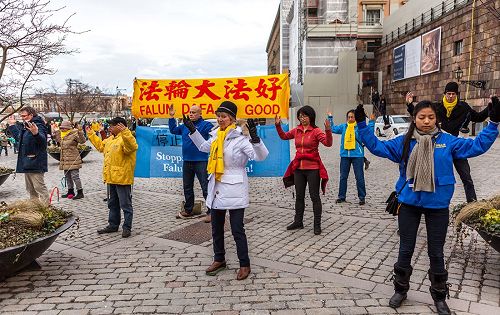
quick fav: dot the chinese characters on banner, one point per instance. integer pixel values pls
(263, 97)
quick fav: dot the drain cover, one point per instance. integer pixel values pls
(196, 233)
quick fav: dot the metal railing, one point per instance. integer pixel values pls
(425, 18)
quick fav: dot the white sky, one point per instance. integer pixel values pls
(164, 39)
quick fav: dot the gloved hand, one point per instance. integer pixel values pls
(359, 114)
(252, 129)
(494, 109)
(189, 124)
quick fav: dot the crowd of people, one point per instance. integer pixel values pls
(217, 157)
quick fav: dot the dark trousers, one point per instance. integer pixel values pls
(436, 222)
(463, 170)
(311, 178)
(190, 169)
(120, 198)
(359, 173)
(237, 228)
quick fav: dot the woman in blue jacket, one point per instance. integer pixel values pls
(425, 157)
(351, 152)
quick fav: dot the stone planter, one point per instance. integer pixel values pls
(57, 155)
(492, 240)
(13, 259)
(3, 178)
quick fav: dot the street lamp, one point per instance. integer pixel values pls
(458, 73)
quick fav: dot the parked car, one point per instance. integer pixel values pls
(159, 123)
(399, 124)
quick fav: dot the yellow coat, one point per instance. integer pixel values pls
(119, 157)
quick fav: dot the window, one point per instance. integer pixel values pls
(458, 48)
(372, 17)
(388, 69)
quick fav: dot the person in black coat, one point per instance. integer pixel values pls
(32, 157)
(454, 115)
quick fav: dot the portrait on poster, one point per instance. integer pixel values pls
(431, 51)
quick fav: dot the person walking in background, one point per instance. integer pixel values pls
(194, 161)
(118, 173)
(453, 116)
(32, 157)
(426, 183)
(306, 169)
(70, 161)
(351, 153)
(4, 142)
(230, 151)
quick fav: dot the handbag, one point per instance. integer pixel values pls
(393, 203)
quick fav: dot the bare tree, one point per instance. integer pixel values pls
(78, 97)
(28, 41)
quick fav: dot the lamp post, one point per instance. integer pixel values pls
(458, 73)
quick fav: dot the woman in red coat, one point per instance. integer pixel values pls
(306, 168)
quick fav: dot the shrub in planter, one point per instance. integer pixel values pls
(27, 229)
(482, 216)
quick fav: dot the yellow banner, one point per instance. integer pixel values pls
(256, 97)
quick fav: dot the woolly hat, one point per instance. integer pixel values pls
(451, 87)
(228, 107)
(66, 125)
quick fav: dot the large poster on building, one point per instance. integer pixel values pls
(431, 51)
(419, 56)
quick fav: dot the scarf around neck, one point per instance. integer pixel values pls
(350, 137)
(216, 159)
(421, 162)
(449, 106)
(64, 133)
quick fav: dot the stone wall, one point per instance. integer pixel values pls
(455, 26)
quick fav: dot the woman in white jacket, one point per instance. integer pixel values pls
(230, 151)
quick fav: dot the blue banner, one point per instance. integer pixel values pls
(160, 153)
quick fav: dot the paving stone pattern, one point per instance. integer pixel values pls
(346, 270)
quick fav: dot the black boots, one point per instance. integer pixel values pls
(70, 194)
(401, 285)
(439, 291)
(317, 220)
(298, 221)
(79, 194)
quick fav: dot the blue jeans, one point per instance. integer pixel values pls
(359, 173)
(120, 198)
(189, 170)
(237, 228)
(436, 222)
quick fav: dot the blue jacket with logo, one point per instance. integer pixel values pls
(189, 151)
(446, 148)
(358, 151)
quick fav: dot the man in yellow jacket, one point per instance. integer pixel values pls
(118, 173)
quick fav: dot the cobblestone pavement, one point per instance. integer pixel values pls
(346, 270)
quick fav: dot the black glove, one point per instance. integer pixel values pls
(494, 109)
(252, 129)
(189, 124)
(359, 114)
(409, 108)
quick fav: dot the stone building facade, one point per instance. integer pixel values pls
(478, 59)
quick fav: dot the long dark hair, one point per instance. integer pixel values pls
(406, 143)
(309, 112)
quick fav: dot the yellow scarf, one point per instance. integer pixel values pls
(350, 137)
(216, 158)
(64, 133)
(449, 106)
